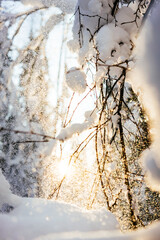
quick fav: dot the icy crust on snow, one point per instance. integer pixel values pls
(37, 217)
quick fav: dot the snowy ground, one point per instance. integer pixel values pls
(33, 218)
(39, 219)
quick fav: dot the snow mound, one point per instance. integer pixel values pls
(6, 196)
(37, 217)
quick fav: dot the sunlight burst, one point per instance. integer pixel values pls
(64, 169)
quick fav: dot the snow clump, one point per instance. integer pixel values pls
(77, 128)
(68, 132)
(100, 6)
(76, 80)
(113, 42)
(125, 18)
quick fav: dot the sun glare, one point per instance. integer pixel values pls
(64, 169)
